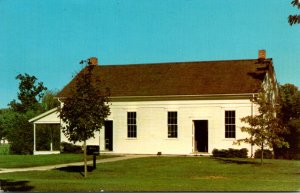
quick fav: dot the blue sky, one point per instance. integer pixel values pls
(48, 38)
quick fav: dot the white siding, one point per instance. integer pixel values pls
(51, 118)
(152, 127)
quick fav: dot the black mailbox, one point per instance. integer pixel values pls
(92, 150)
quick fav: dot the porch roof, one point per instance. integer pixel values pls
(49, 117)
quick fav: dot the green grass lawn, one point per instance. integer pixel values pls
(22, 161)
(165, 174)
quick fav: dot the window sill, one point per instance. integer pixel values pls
(229, 139)
(172, 138)
(131, 138)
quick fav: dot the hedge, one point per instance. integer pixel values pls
(70, 148)
(231, 153)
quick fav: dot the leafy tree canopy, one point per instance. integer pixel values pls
(29, 94)
(290, 102)
(85, 110)
(289, 116)
(294, 19)
(18, 131)
(264, 128)
(49, 101)
(3, 122)
(14, 123)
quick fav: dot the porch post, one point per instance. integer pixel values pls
(51, 137)
(34, 138)
(51, 146)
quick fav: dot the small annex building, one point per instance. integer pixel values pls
(173, 108)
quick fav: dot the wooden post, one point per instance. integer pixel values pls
(94, 160)
(51, 146)
(51, 137)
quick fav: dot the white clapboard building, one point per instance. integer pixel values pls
(173, 108)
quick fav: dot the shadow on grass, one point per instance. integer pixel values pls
(236, 161)
(76, 169)
(14, 186)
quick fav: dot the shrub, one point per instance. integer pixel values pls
(4, 149)
(267, 154)
(230, 153)
(243, 153)
(219, 153)
(70, 148)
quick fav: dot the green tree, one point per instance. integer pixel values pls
(294, 19)
(264, 128)
(289, 115)
(49, 101)
(29, 94)
(15, 120)
(290, 102)
(20, 135)
(18, 130)
(3, 129)
(85, 110)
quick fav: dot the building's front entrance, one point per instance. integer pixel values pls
(108, 135)
(201, 136)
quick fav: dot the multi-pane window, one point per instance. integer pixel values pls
(131, 124)
(229, 124)
(172, 124)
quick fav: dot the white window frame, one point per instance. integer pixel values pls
(172, 125)
(131, 124)
(230, 121)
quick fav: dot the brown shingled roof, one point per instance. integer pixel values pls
(180, 78)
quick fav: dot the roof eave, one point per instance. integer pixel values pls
(182, 97)
(43, 115)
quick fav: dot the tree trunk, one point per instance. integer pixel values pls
(262, 153)
(252, 148)
(85, 160)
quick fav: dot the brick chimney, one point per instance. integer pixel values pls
(93, 61)
(262, 54)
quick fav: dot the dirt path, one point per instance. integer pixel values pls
(43, 168)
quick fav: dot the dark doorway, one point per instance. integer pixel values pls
(108, 135)
(201, 135)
